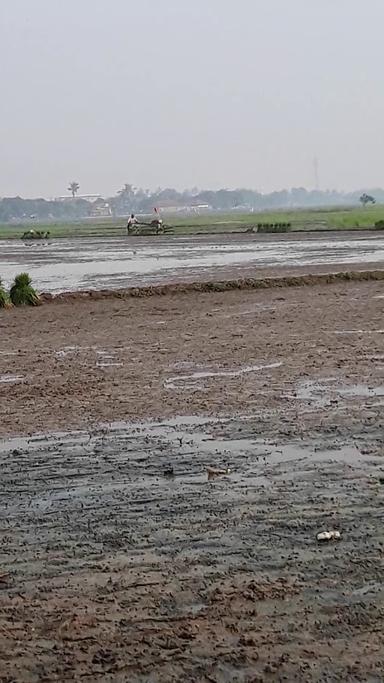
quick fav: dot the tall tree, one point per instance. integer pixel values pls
(367, 199)
(74, 188)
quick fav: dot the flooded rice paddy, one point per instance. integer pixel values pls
(107, 263)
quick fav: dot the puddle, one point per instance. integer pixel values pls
(257, 308)
(361, 390)
(186, 365)
(69, 350)
(104, 359)
(349, 455)
(84, 436)
(11, 379)
(107, 359)
(141, 452)
(173, 382)
(358, 332)
(321, 394)
(152, 461)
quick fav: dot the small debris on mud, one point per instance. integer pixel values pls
(214, 472)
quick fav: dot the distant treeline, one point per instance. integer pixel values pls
(130, 199)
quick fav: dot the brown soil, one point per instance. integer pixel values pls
(300, 278)
(122, 559)
(58, 351)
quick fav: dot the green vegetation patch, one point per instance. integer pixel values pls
(4, 298)
(22, 292)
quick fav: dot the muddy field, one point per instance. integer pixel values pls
(110, 263)
(139, 547)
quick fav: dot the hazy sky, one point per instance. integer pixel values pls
(213, 93)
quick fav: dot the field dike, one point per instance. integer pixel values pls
(216, 286)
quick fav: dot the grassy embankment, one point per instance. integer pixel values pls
(323, 219)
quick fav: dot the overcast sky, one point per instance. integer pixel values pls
(207, 93)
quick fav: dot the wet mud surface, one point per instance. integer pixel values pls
(112, 263)
(163, 548)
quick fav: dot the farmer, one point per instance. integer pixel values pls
(157, 222)
(132, 220)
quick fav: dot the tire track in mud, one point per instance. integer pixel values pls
(122, 560)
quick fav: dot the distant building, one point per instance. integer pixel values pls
(101, 209)
(87, 197)
(193, 208)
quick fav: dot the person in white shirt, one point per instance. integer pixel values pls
(132, 221)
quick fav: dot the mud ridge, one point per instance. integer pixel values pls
(217, 286)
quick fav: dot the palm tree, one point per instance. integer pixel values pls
(127, 191)
(74, 188)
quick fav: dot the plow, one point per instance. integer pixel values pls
(36, 235)
(155, 227)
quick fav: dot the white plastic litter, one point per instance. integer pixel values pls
(328, 536)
